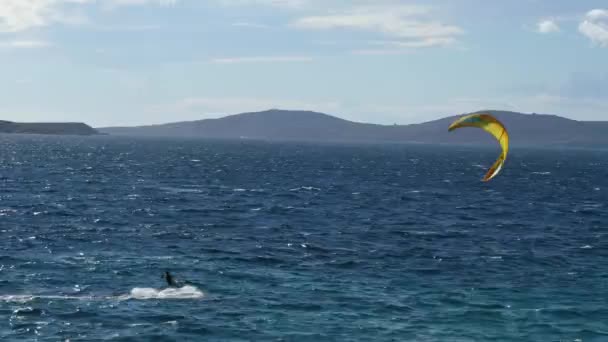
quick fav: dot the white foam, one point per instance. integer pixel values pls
(140, 293)
(17, 298)
(186, 292)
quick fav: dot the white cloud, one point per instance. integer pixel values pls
(19, 15)
(597, 14)
(410, 24)
(262, 59)
(595, 27)
(547, 26)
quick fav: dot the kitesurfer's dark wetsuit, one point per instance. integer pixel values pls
(169, 279)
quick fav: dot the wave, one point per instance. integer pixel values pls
(176, 190)
(305, 188)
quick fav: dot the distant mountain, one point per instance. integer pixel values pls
(55, 128)
(529, 129)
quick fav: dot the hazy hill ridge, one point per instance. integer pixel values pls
(313, 126)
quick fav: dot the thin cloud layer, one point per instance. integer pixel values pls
(409, 24)
(25, 44)
(274, 3)
(262, 59)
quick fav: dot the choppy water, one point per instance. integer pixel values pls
(288, 242)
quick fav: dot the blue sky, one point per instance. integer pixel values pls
(125, 62)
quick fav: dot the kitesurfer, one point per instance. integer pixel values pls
(169, 278)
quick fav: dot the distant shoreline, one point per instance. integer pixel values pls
(48, 128)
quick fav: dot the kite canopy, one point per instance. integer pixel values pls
(491, 125)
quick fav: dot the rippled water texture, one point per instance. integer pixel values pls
(297, 242)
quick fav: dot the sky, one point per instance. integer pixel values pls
(130, 62)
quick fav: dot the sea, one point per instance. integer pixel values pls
(299, 241)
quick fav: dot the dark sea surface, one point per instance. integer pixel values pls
(299, 242)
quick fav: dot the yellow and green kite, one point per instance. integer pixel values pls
(491, 125)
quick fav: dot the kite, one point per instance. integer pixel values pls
(491, 125)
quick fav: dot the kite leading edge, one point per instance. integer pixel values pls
(491, 125)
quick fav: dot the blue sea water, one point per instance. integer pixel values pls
(299, 242)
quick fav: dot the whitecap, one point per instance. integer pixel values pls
(135, 325)
(160, 257)
(586, 247)
(17, 298)
(186, 292)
